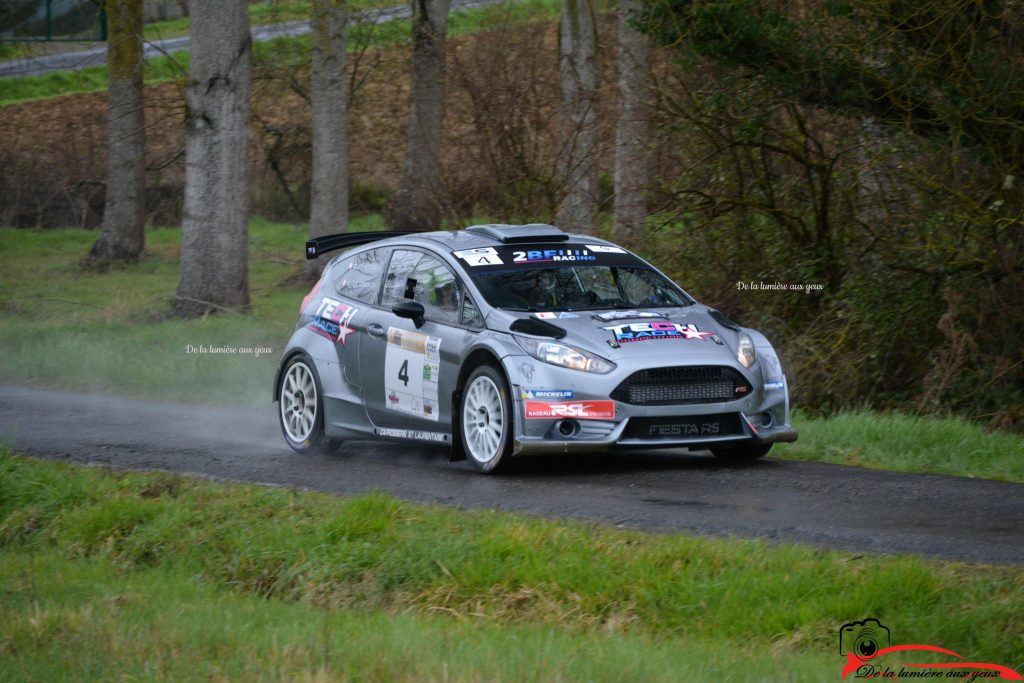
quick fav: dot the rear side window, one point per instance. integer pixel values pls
(358, 277)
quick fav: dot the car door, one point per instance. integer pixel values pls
(414, 370)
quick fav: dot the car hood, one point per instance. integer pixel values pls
(665, 336)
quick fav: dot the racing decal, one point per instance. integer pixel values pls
(623, 315)
(484, 256)
(544, 255)
(776, 385)
(546, 393)
(332, 320)
(547, 315)
(589, 410)
(527, 370)
(552, 255)
(412, 368)
(636, 332)
(413, 434)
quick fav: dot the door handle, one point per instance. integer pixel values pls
(375, 330)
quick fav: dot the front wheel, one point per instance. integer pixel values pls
(741, 453)
(487, 419)
(301, 408)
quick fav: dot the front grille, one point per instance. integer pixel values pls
(694, 428)
(682, 385)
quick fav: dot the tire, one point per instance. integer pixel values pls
(486, 419)
(741, 453)
(300, 408)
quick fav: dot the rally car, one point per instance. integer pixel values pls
(507, 340)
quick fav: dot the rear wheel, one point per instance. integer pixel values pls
(741, 453)
(486, 419)
(301, 408)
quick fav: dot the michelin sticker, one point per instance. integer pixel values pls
(541, 394)
(776, 385)
(412, 368)
(484, 256)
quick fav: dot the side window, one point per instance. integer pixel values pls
(358, 277)
(471, 314)
(420, 277)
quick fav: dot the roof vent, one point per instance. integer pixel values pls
(520, 234)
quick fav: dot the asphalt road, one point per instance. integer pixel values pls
(666, 491)
(79, 59)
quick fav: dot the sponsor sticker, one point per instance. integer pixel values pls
(332, 319)
(552, 256)
(602, 249)
(776, 385)
(583, 410)
(549, 315)
(412, 369)
(623, 315)
(637, 332)
(484, 256)
(413, 434)
(542, 394)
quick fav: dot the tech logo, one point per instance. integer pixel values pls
(580, 410)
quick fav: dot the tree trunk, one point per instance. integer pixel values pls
(631, 160)
(214, 248)
(418, 204)
(329, 211)
(578, 152)
(124, 215)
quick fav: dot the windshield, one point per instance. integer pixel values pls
(579, 287)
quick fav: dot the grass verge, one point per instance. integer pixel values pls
(283, 52)
(907, 443)
(159, 576)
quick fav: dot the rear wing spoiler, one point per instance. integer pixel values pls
(321, 245)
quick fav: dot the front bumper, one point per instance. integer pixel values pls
(760, 417)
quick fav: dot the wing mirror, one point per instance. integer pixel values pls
(411, 310)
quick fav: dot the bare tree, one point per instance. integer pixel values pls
(214, 248)
(417, 206)
(631, 154)
(329, 211)
(578, 162)
(124, 214)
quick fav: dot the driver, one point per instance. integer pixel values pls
(544, 293)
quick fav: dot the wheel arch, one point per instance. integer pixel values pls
(291, 353)
(482, 355)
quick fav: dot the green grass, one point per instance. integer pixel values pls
(109, 331)
(908, 443)
(281, 51)
(143, 574)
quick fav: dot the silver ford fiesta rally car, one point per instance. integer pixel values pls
(503, 340)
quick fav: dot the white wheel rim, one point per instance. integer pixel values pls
(298, 402)
(483, 419)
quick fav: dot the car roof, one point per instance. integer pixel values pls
(498, 234)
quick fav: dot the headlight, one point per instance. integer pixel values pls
(745, 353)
(566, 356)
